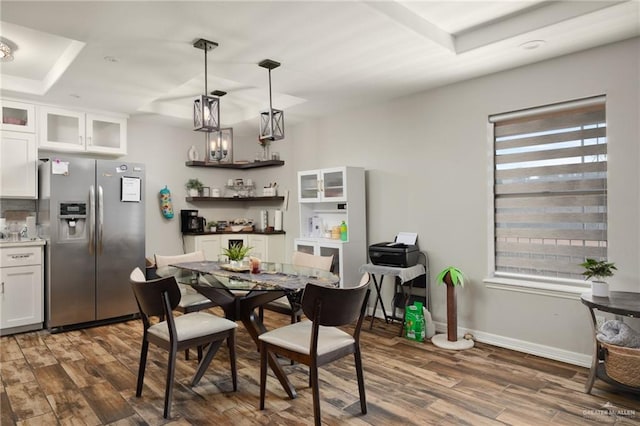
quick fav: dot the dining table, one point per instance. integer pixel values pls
(239, 291)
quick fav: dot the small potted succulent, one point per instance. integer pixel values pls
(212, 225)
(598, 270)
(194, 186)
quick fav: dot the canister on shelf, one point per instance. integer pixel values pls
(264, 219)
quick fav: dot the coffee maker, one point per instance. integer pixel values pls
(190, 222)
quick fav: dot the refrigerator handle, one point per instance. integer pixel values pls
(100, 217)
(92, 219)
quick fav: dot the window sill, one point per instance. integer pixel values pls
(561, 290)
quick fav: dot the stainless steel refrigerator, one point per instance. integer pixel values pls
(91, 212)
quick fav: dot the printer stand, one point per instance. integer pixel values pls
(404, 276)
(404, 295)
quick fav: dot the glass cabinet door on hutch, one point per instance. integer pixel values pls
(309, 186)
(322, 185)
(333, 184)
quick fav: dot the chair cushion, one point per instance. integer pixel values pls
(195, 324)
(192, 299)
(297, 337)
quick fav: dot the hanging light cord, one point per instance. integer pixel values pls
(206, 47)
(270, 103)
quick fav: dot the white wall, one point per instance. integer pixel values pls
(428, 163)
(163, 149)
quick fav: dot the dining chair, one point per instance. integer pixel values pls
(190, 300)
(319, 341)
(159, 298)
(282, 304)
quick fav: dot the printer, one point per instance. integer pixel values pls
(399, 255)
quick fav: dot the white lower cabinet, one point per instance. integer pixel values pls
(18, 165)
(209, 244)
(269, 248)
(21, 289)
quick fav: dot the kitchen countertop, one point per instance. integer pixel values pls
(231, 232)
(22, 243)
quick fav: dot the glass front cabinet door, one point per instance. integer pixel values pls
(61, 130)
(309, 186)
(324, 185)
(76, 131)
(106, 135)
(18, 117)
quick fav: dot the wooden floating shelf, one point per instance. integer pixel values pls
(253, 165)
(251, 199)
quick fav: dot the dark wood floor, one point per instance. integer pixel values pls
(88, 377)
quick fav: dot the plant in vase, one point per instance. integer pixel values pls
(212, 225)
(236, 252)
(451, 277)
(264, 143)
(598, 270)
(194, 186)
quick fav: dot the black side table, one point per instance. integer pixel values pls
(620, 303)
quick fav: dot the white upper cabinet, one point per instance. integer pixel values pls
(75, 131)
(322, 185)
(18, 165)
(106, 135)
(18, 116)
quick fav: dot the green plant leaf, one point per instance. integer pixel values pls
(456, 275)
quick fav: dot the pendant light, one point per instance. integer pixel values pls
(206, 109)
(271, 121)
(219, 144)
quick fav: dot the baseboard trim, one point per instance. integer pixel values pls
(549, 352)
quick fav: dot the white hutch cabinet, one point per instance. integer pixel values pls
(327, 197)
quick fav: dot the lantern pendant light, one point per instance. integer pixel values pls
(206, 109)
(219, 144)
(271, 121)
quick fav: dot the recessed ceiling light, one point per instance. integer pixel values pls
(6, 54)
(532, 44)
(111, 59)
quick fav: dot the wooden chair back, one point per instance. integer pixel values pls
(156, 297)
(333, 307)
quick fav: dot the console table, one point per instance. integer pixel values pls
(404, 274)
(619, 303)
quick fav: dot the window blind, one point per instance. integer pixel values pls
(550, 189)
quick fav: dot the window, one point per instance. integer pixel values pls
(550, 189)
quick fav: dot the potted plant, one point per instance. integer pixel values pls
(451, 277)
(194, 186)
(212, 225)
(598, 270)
(236, 252)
